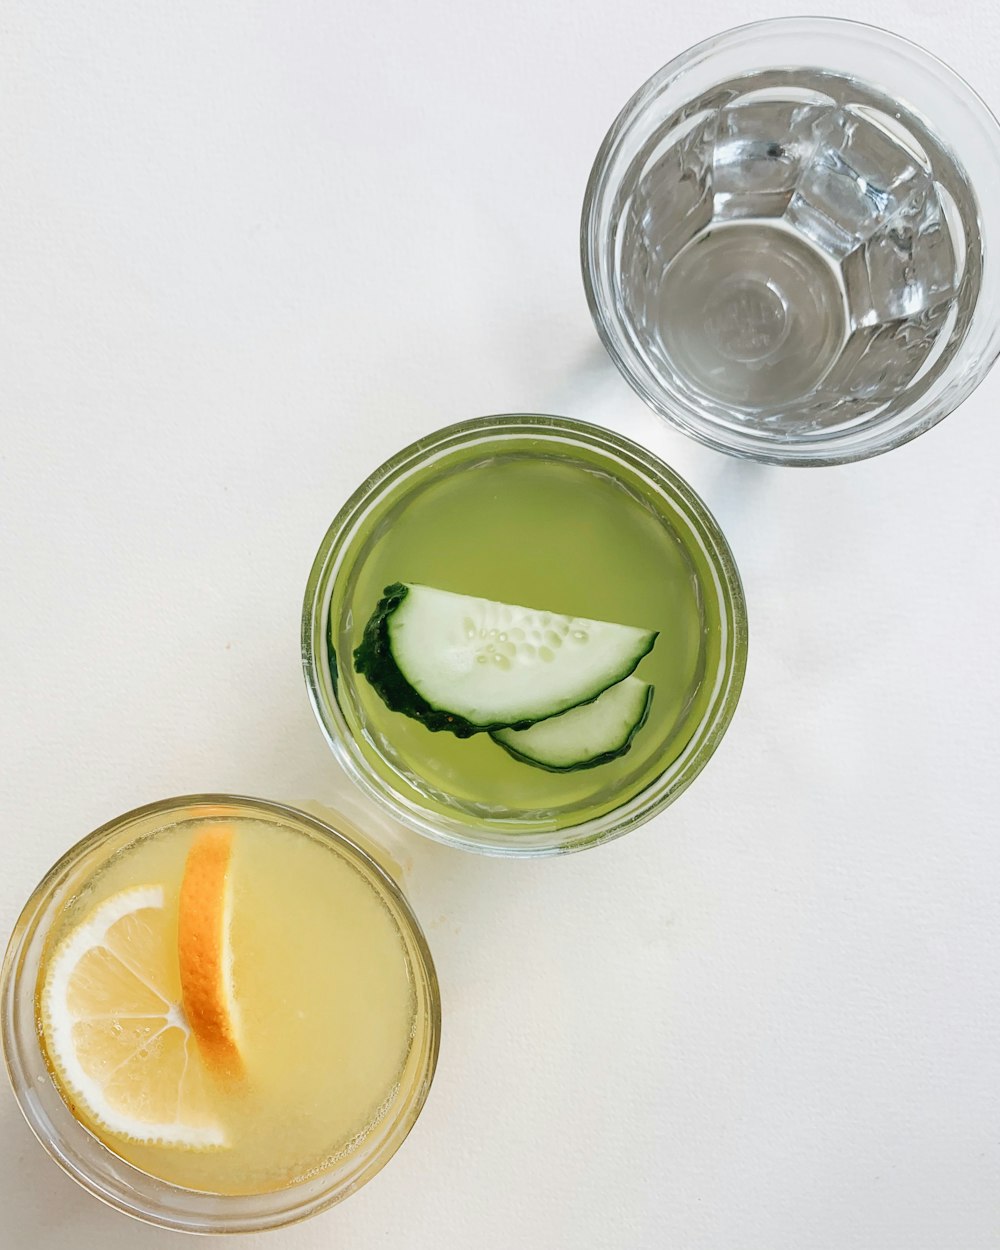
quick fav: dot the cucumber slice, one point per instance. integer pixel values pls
(467, 665)
(584, 736)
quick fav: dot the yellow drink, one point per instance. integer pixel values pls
(333, 1006)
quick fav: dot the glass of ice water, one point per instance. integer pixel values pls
(791, 241)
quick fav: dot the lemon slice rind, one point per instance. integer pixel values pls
(58, 1021)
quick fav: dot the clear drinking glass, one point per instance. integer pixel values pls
(108, 1176)
(464, 510)
(791, 241)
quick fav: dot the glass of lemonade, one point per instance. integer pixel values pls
(219, 1014)
(791, 241)
(524, 635)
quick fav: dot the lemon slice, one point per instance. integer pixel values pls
(205, 952)
(114, 1029)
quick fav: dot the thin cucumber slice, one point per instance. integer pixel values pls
(470, 665)
(584, 736)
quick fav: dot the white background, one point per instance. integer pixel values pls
(247, 251)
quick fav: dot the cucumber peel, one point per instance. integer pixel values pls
(469, 665)
(585, 736)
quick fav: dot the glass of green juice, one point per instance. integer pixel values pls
(524, 635)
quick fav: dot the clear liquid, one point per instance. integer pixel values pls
(796, 249)
(767, 315)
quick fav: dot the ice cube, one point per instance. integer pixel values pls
(760, 150)
(879, 362)
(907, 266)
(860, 176)
(673, 197)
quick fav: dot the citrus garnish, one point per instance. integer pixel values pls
(114, 1029)
(205, 952)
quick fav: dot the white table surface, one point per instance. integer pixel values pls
(247, 251)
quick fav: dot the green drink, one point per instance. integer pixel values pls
(594, 534)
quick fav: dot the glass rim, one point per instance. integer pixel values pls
(654, 797)
(217, 1213)
(970, 363)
